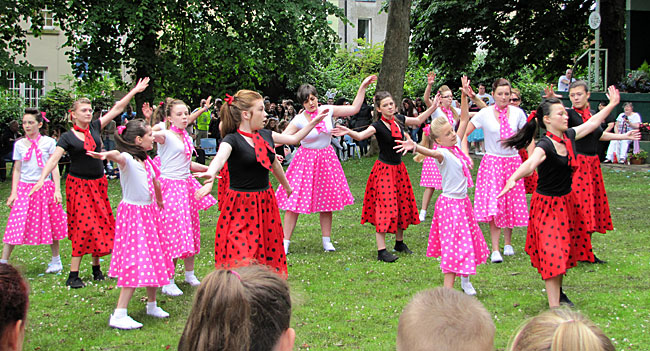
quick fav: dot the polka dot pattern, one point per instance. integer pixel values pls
(456, 237)
(91, 225)
(508, 211)
(36, 219)
(430, 177)
(388, 203)
(138, 257)
(530, 182)
(552, 242)
(180, 217)
(317, 181)
(588, 190)
(249, 230)
(223, 184)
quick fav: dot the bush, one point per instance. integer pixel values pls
(56, 104)
(11, 107)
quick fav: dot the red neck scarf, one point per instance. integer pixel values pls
(450, 115)
(260, 146)
(505, 131)
(584, 113)
(89, 142)
(394, 128)
(33, 148)
(464, 160)
(573, 163)
(187, 140)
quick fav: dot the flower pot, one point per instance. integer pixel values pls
(637, 161)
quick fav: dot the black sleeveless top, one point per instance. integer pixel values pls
(386, 142)
(246, 174)
(554, 173)
(588, 145)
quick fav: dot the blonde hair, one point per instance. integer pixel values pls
(434, 132)
(243, 309)
(445, 319)
(445, 88)
(230, 113)
(560, 329)
(75, 106)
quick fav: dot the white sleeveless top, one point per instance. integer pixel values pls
(173, 162)
(134, 181)
(487, 120)
(316, 140)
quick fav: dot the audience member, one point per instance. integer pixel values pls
(9, 136)
(565, 80)
(14, 301)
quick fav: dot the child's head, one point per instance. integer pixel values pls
(446, 96)
(384, 105)
(231, 111)
(579, 94)
(32, 121)
(248, 308)
(501, 90)
(560, 329)
(135, 138)
(81, 111)
(445, 319)
(308, 97)
(442, 132)
(550, 114)
(177, 114)
(159, 114)
(14, 301)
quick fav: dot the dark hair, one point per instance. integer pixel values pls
(159, 115)
(579, 83)
(304, 91)
(379, 96)
(525, 135)
(245, 309)
(125, 141)
(38, 116)
(500, 82)
(409, 109)
(230, 113)
(14, 297)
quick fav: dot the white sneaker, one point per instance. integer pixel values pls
(286, 243)
(54, 267)
(479, 153)
(327, 246)
(423, 215)
(157, 312)
(508, 250)
(496, 257)
(171, 289)
(192, 280)
(467, 286)
(124, 323)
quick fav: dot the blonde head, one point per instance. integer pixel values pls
(230, 113)
(435, 129)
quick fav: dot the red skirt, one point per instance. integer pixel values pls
(249, 230)
(91, 225)
(589, 192)
(530, 182)
(553, 242)
(222, 185)
(389, 203)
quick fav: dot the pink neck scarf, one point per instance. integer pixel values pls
(320, 127)
(187, 140)
(450, 115)
(36, 151)
(151, 170)
(505, 131)
(464, 160)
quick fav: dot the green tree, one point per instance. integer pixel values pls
(396, 53)
(513, 34)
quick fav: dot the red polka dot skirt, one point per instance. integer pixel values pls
(91, 225)
(552, 242)
(530, 182)
(249, 230)
(388, 203)
(430, 176)
(589, 193)
(36, 219)
(223, 184)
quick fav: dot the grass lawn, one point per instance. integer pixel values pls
(347, 299)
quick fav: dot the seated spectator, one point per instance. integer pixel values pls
(248, 308)
(14, 300)
(444, 319)
(560, 329)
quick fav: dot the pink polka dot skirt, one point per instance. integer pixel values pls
(430, 177)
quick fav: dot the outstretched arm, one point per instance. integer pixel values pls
(431, 78)
(631, 135)
(416, 121)
(343, 130)
(527, 168)
(596, 120)
(295, 138)
(349, 110)
(121, 105)
(112, 155)
(408, 145)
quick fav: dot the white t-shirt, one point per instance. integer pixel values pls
(454, 183)
(487, 120)
(315, 140)
(161, 125)
(135, 185)
(174, 164)
(30, 172)
(634, 118)
(438, 112)
(490, 99)
(563, 86)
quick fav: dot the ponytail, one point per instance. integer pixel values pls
(125, 138)
(232, 108)
(525, 135)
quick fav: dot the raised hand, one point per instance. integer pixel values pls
(431, 78)
(550, 93)
(147, 111)
(613, 95)
(208, 103)
(143, 83)
(340, 130)
(369, 80)
(404, 146)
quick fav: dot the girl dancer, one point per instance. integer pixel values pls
(554, 241)
(315, 173)
(38, 219)
(180, 215)
(530, 182)
(138, 257)
(91, 225)
(249, 226)
(388, 203)
(455, 235)
(499, 122)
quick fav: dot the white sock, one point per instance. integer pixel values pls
(286, 245)
(326, 239)
(189, 274)
(56, 259)
(120, 313)
(151, 306)
(4, 261)
(464, 279)
(171, 281)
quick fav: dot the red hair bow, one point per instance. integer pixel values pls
(531, 116)
(229, 99)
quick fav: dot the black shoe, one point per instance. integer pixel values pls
(564, 300)
(386, 256)
(97, 273)
(598, 260)
(401, 247)
(75, 282)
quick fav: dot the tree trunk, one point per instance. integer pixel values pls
(612, 33)
(145, 67)
(396, 49)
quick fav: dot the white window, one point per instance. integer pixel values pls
(363, 26)
(48, 19)
(31, 93)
